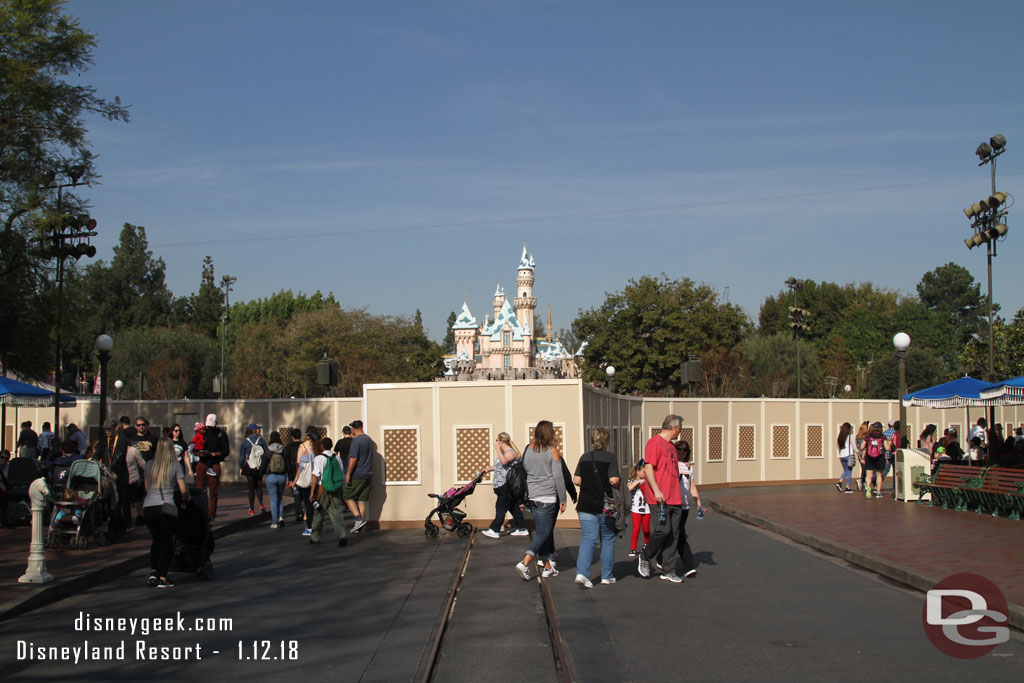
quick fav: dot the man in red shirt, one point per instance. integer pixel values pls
(661, 489)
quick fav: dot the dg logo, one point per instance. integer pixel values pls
(966, 616)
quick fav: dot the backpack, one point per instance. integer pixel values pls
(515, 478)
(305, 478)
(276, 464)
(874, 446)
(332, 479)
(255, 458)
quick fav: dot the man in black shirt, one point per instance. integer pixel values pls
(143, 439)
(28, 441)
(208, 470)
(291, 458)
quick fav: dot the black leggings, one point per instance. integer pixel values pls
(255, 490)
(307, 505)
(685, 554)
(162, 528)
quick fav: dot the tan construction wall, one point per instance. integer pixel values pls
(432, 436)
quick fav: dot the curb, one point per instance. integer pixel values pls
(50, 593)
(890, 570)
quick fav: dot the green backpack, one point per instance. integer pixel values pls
(333, 479)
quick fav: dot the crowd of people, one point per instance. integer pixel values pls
(874, 448)
(661, 485)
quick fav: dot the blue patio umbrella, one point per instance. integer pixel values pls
(20, 394)
(1008, 392)
(965, 391)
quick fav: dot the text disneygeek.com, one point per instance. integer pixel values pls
(142, 650)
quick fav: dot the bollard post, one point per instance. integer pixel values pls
(36, 570)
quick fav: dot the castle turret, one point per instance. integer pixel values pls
(465, 330)
(525, 302)
(499, 299)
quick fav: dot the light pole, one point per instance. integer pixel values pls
(610, 371)
(118, 384)
(798, 321)
(225, 283)
(104, 344)
(987, 218)
(63, 229)
(901, 341)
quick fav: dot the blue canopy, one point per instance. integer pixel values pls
(965, 391)
(1009, 391)
(15, 393)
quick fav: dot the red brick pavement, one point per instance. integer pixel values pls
(933, 542)
(67, 565)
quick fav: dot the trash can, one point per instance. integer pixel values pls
(910, 464)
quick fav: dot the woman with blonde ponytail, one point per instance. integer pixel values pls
(160, 511)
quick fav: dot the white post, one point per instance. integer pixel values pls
(36, 570)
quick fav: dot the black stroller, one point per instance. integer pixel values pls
(194, 544)
(21, 472)
(447, 511)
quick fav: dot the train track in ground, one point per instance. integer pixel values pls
(563, 668)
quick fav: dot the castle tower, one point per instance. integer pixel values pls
(550, 335)
(499, 299)
(465, 329)
(525, 302)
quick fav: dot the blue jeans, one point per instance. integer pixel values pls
(847, 474)
(543, 544)
(593, 526)
(275, 487)
(888, 466)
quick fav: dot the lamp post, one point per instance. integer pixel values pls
(104, 344)
(610, 371)
(798, 321)
(118, 384)
(901, 341)
(225, 283)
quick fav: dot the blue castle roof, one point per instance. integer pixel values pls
(465, 321)
(506, 316)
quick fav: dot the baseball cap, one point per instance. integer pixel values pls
(211, 420)
(253, 427)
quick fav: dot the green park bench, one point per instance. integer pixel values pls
(1000, 491)
(946, 485)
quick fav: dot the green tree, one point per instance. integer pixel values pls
(448, 344)
(773, 366)
(648, 328)
(43, 142)
(179, 362)
(207, 305)
(925, 368)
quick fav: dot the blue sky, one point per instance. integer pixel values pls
(400, 153)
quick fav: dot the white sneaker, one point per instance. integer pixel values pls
(692, 572)
(608, 582)
(358, 525)
(583, 582)
(490, 534)
(549, 573)
(643, 567)
(273, 526)
(520, 532)
(524, 571)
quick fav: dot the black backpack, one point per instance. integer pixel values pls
(516, 480)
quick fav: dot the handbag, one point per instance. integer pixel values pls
(608, 507)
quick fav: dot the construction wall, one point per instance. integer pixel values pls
(432, 436)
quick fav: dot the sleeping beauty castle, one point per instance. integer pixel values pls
(506, 347)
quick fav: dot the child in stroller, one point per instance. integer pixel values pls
(448, 512)
(83, 510)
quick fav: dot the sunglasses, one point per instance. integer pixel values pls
(139, 424)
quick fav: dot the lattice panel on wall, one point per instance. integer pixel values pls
(959, 433)
(716, 444)
(655, 431)
(637, 446)
(746, 448)
(558, 438)
(780, 442)
(686, 434)
(286, 433)
(472, 451)
(911, 438)
(402, 453)
(815, 441)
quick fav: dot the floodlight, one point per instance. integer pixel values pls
(984, 151)
(998, 143)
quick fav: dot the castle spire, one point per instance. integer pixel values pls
(550, 337)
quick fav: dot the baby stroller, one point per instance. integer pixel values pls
(447, 511)
(193, 544)
(21, 472)
(81, 514)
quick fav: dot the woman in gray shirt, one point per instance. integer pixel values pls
(546, 486)
(159, 510)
